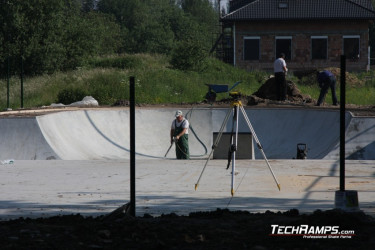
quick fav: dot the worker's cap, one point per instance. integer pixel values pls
(178, 113)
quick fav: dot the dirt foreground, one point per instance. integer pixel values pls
(220, 229)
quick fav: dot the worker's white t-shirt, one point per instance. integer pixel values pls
(184, 122)
(278, 65)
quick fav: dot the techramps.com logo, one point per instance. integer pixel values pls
(312, 232)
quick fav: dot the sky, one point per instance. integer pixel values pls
(223, 3)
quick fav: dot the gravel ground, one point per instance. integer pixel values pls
(220, 229)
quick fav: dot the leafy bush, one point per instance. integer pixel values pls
(189, 55)
(104, 95)
(127, 62)
(70, 95)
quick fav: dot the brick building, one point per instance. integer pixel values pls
(312, 33)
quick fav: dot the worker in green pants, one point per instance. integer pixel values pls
(180, 133)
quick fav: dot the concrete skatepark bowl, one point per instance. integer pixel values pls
(77, 161)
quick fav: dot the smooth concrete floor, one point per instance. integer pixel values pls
(43, 188)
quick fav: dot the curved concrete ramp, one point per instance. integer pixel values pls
(21, 139)
(104, 133)
(95, 134)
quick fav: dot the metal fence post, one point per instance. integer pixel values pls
(132, 146)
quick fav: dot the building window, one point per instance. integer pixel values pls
(351, 47)
(319, 47)
(283, 5)
(284, 45)
(251, 48)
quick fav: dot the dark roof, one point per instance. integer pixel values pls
(303, 9)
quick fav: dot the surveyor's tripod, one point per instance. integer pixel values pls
(236, 106)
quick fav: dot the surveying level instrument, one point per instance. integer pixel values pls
(236, 106)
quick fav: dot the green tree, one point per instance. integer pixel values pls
(206, 18)
(127, 15)
(202, 10)
(145, 24)
(62, 34)
(155, 26)
(31, 28)
(52, 35)
(106, 33)
(126, 12)
(199, 24)
(154, 34)
(89, 35)
(189, 55)
(88, 5)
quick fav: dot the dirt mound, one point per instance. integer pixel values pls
(269, 91)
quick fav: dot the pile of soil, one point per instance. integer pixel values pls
(220, 229)
(269, 91)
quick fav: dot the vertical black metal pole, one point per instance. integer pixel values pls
(8, 75)
(21, 82)
(132, 146)
(342, 122)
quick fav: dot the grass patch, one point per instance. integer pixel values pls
(107, 80)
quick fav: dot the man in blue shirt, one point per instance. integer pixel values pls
(326, 80)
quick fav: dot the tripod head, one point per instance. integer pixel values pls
(235, 98)
(235, 95)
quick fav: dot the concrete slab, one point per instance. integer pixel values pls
(46, 188)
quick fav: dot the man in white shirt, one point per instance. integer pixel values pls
(280, 70)
(180, 131)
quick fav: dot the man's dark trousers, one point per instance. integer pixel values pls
(280, 86)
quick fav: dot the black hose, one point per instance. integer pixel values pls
(196, 136)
